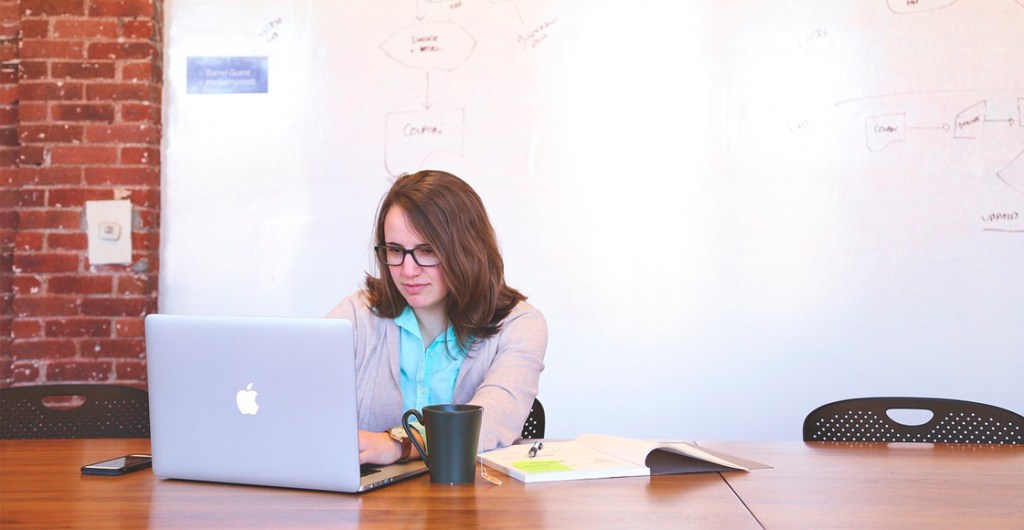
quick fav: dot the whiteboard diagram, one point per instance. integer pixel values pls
(415, 135)
(971, 123)
(978, 122)
(884, 130)
(435, 48)
(925, 120)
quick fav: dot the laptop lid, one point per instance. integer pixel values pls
(257, 400)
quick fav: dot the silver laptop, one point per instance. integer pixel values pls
(258, 400)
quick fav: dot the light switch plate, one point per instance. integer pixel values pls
(109, 225)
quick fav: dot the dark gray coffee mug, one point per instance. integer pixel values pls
(453, 434)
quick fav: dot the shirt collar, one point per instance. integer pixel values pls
(407, 320)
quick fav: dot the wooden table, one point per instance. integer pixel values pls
(41, 487)
(869, 485)
(811, 485)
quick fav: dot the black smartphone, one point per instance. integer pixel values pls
(119, 466)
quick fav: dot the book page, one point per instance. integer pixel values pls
(637, 451)
(629, 449)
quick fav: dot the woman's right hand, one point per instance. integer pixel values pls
(378, 448)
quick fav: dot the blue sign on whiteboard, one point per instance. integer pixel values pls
(227, 75)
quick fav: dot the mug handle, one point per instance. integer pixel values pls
(408, 432)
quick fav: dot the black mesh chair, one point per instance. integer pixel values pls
(534, 426)
(952, 421)
(86, 411)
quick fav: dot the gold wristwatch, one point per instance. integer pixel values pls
(398, 434)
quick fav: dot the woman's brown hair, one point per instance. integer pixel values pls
(450, 216)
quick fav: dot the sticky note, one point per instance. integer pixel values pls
(540, 466)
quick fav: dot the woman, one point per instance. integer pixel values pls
(439, 324)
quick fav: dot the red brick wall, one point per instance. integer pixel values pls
(80, 90)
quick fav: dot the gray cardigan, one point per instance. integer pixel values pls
(501, 373)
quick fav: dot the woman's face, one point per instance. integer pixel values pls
(423, 288)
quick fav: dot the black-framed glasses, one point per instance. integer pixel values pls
(394, 255)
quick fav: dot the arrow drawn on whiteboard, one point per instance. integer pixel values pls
(426, 102)
(943, 127)
(1002, 120)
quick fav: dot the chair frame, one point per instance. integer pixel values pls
(952, 421)
(535, 422)
(108, 411)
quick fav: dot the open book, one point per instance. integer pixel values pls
(603, 456)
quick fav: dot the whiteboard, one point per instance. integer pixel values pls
(728, 213)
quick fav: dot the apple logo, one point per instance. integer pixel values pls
(246, 401)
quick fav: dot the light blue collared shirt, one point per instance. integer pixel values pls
(427, 374)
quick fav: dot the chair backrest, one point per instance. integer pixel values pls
(952, 421)
(534, 426)
(89, 411)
